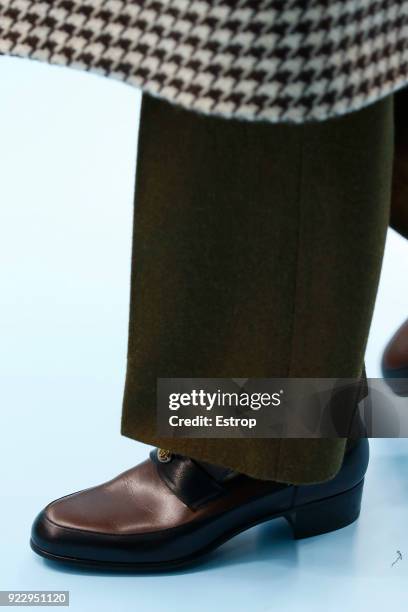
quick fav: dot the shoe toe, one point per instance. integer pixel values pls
(47, 537)
(60, 531)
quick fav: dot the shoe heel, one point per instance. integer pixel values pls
(328, 514)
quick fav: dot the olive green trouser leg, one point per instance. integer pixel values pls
(257, 252)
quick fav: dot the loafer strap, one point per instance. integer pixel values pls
(187, 479)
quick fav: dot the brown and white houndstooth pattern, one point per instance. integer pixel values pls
(278, 60)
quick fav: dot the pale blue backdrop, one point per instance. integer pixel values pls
(67, 159)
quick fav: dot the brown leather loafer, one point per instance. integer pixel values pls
(170, 510)
(395, 361)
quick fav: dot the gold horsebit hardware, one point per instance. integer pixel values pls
(163, 455)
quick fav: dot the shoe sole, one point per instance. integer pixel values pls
(311, 519)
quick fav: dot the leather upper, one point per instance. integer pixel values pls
(396, 354)
(135, 501)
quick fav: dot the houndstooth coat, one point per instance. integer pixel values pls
(277, 60)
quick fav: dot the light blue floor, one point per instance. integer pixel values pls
(67, 152)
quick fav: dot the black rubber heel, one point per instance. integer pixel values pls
(328, 514)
